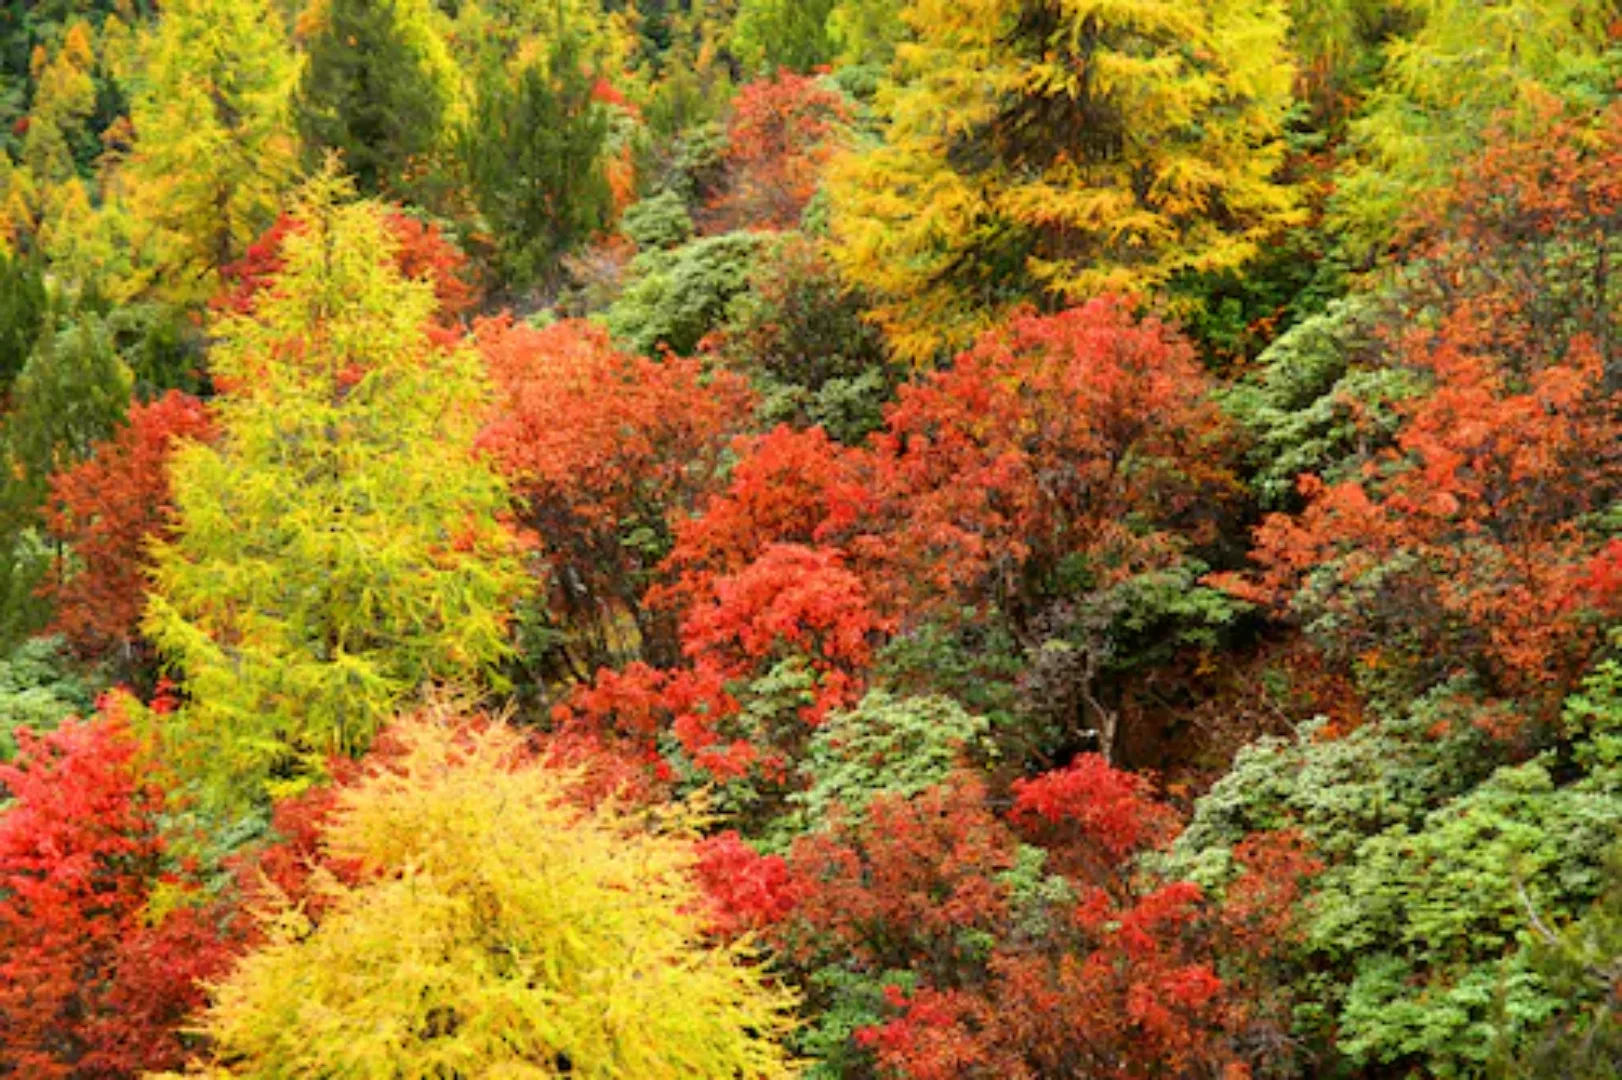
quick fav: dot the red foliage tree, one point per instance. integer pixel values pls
(89, 987)
(1079, 434)
(782, 132)
(1467, 544)
(793, 601)
(788, 487)
(1098, 972)
(107, 511)
(609, 452)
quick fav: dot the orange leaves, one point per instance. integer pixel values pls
(1099, 809)
(1469, 541)
(792, 600)
(608, 452)
(1038, 444)
(783, 131)
(108, 510)
(573, 412)
(789, 487)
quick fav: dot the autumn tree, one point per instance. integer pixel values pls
(494, 927)
(788, 487)
(338, 544)
(1075, 448)
(422, 252)
(93, 981)
(1050, 151)
(215, 149)
(609, 453)
(1467, 543)
(782, 132)
(1023, 946)
(108, 510)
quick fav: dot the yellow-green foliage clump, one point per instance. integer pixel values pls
(340, 544)
(498, 930)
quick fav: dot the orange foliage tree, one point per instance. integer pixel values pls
(782, 132)
(106, 511)
(1082, 442)
(1472, 543)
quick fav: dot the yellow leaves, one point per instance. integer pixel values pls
(214, 151)
(1155, 151)
(497, 929)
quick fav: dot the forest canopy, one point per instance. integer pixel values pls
(894, 539)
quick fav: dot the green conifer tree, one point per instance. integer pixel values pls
(534, 155)
(377, 86)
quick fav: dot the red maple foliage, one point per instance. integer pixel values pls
(748, 891)
(1099, 972)
(789, 487)
(107, 510)
(782, 132)
(1091, 816)
(90, 987)
(791, 601)
(609, 452)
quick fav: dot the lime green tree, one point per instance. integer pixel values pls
(1051, 150)
(1465, 67)
(496, 930)
(339, 545)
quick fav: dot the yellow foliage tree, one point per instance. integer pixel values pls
(340, 544)
(1051, 150)
(215, 149)
(497, 930)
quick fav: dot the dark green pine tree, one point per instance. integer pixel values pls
(369, 91)
(534, 156)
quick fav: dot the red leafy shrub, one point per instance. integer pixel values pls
(1085, 434)
(93, 983)
(1084, 968)
(608, 452)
